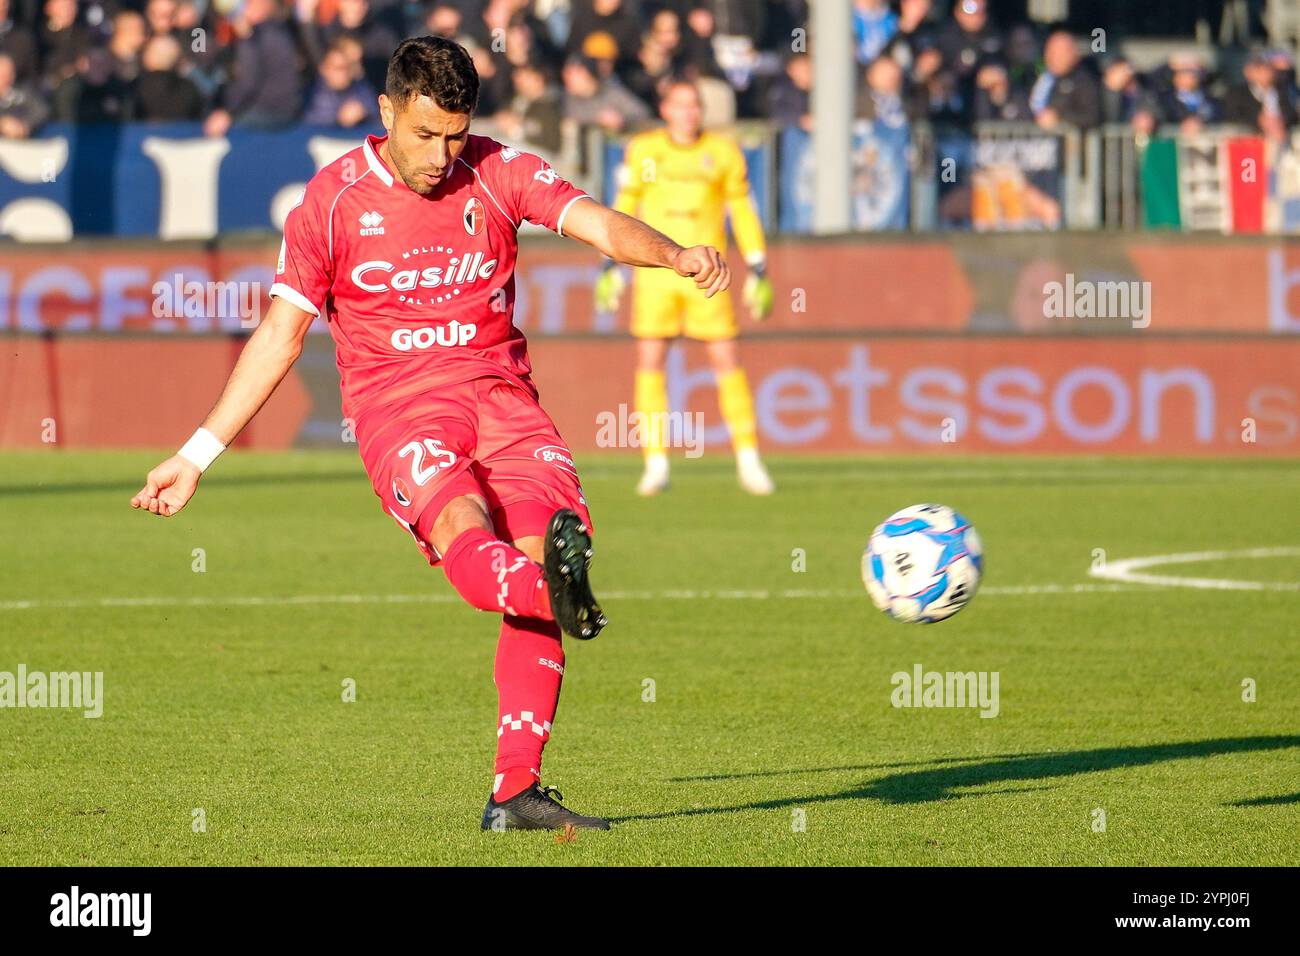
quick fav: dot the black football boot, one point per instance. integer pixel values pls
(536, 808)
(566, 560)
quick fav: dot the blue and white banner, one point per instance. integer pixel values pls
(880, 187)
(165, 181)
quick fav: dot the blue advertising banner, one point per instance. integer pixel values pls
(881, 180)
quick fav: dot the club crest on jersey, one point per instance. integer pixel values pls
(370, 224)
(473, 216)
(401, 492)
(558, 456)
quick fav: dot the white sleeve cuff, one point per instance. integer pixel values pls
(559, 223)
(293, 297)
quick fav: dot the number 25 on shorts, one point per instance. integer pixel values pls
(442, 458)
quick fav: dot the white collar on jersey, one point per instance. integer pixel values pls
(376, 164)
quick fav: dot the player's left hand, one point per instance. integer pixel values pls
(758, 296)
(168, 487)
(706, 266)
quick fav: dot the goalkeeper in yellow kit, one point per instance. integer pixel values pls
(684, 181)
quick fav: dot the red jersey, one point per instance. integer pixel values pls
(419, 291)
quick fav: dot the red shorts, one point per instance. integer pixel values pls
(488, 437)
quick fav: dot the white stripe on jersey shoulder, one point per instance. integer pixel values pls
(559, 223)
(329, 223)
(376, 164)
(488, 191)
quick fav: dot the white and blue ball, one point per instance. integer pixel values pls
(923, 564)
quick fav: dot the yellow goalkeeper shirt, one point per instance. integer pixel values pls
(686, 192)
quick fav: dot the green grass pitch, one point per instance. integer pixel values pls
(770, 738)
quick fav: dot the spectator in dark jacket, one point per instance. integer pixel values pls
(265, 89)
(61, 41)
(915, 34)
(161, 93)
(697, 57)
(967, 40)
(605, 16)
(996, 98)
(789, 98)
(654, 69)
(18, 43)
(1124, 98)
(103, 88)
(1257, 102)
(1187, 103)
(126, 43)
(341, 96)
(22, 111)
(1067, 92)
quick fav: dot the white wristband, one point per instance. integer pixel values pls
(202, 449)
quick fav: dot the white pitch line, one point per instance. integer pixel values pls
(1126, 570)
(665, 595)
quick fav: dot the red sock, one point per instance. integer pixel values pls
(529, 671)
(494, 576)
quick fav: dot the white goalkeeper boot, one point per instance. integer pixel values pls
(655, 477)
(751, 473)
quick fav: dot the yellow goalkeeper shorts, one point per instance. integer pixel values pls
(666, 305)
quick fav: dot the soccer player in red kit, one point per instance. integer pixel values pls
(407, 246)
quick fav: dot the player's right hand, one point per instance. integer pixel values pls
(168, 487)
(706, 266)
(609, 288)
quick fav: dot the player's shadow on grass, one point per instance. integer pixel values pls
(132, 486)
(942, 783)
(1266, 801)
(861, 766)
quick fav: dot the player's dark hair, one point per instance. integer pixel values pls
(435, 67)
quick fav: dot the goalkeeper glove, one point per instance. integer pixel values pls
(609, 288)
(758, 294)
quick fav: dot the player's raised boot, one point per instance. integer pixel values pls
(655, 477)
(566, 560)
(536, 809)
(751, 473)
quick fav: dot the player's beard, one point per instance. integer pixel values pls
(414, 179)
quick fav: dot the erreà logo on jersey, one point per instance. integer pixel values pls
(474, 216)
(370, 224)
(373, 276)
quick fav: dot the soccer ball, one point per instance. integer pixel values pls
(923, 564)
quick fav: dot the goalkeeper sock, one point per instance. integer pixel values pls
(528, 673)
(494, 576)
(737, 407)
(651, 400)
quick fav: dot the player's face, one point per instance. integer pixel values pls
(682, 111)
(423, 140)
